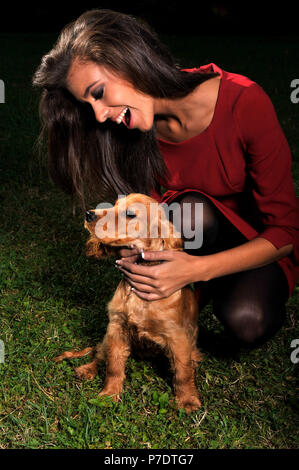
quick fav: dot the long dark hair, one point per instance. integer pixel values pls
(105, 159)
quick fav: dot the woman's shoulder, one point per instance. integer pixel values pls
(246, 102)
(239, 87)
(243, 94)
(234, 85)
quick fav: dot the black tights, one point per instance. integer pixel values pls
(250, 304)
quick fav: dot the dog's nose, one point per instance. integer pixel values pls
(90, 216)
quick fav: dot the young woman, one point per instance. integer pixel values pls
(121, 117)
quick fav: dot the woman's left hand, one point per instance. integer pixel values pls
(161, 280)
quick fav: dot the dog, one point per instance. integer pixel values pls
(167, 325)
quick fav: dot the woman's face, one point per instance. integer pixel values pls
(110, 96)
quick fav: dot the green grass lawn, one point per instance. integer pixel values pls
(53, 298)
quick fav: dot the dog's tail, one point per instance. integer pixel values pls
(97, 351)
(73, 354)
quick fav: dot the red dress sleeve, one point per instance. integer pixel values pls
(269, 164)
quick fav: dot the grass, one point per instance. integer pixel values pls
(54, 298)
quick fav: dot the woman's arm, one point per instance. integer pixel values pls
(252, 254)
(269, 177)
(179, 268)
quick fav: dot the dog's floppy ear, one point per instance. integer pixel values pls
(97, 249)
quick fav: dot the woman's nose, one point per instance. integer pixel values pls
(101, 113)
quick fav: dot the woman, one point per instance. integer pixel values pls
(113, 101)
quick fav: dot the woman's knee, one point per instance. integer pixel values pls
(247, 325)
(251, 304)
(251, 324)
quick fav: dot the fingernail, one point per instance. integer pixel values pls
(117, 261)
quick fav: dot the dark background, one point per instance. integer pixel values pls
(176, 17)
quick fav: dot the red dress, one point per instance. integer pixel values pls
(242, 163)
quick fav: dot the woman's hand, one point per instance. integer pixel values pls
(160, 281)
(179, 269)
(131, 254)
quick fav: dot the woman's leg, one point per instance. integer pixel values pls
(188, 220)
(218, 232)
(251, 304)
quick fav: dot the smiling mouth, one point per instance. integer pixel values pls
(124, 117)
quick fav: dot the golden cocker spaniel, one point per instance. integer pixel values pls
(168, 325)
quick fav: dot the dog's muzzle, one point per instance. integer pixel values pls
(90, 216)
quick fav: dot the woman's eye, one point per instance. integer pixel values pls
(98, 93)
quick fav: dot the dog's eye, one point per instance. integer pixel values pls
(130, 214)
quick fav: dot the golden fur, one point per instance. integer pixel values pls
(169, 324)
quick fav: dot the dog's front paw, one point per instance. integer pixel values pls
(113, 387)
(189, 403)
(114, 394)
